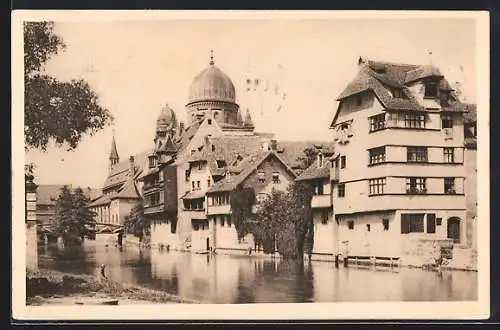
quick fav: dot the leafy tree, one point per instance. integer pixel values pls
(136, 223)
(242, 200)
(73, 218)
(309, 157)
(286, 218)
(55, 110)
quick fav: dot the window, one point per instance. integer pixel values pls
(439, 221)
(222, 218)
(449, 155)
(341, 190)
(377, 155)
(213, 147)
(368, 227)
(276, 177)
(318, 189)
(342, 161)
(229, 221)
(449, 186)
(320, 159)
(200, 165)
(187, 173)
(413, 120)
(221, 163)
(209, 122)
(193, 185)
(412, 223)
(359, 100)
(431, 223)
(431, 89)
(376, 186)
(446, 121)
(377, 122)
(398, 93)
(385, 224)
(209, 182)
(324, 216)
(261, 177)
(416, 186)
(350, 225)
(416, 154)
(198, 184)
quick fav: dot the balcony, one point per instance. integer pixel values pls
(321, 201)
(219, 209)
(334, 174)
(195, 214)
(153, 209)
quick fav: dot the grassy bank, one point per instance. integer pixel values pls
(44, 286)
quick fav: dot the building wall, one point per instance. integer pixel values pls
(471, 195)
(226, 236)
(161, 234)
(325, 235)
(184, 227)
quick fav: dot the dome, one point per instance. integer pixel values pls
(212, 85)
(166, 119)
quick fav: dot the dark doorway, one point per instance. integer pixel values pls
(208, 243)
(453, 229)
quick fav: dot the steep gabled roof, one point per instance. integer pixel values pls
(128, 191)
(290, 151)
(48, 194)
(247, 166)
(119, 173)
(102, 200)
(315, 172)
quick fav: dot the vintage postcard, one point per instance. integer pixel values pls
(251, 165)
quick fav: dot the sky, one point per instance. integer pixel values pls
(136, 67)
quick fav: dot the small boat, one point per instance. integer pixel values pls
(109, 302)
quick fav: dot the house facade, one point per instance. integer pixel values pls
(121, 190)
(398, 174)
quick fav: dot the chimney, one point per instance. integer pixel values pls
(274, 145)
(131, 161)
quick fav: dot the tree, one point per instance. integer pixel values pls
(55, 110)
(286, 218)
(136, 223)
(73, 218)
(309, 157)
(242, 200)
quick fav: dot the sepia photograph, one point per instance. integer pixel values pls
(224, 165)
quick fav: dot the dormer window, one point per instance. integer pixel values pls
(221, 164)
(359, 100)
(398, 93)
(431, 89)
(320, 159)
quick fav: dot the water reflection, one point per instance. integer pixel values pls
(240, 279)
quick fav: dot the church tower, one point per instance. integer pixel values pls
(113, 155)
(166, 130)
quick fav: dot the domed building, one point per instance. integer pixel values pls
(212, 92)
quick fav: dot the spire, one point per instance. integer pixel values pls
(211, 57)
(239, 118)
(113, 156)
(248, 120)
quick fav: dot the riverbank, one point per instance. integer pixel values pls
(50, 287)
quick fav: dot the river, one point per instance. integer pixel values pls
(243, 279)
